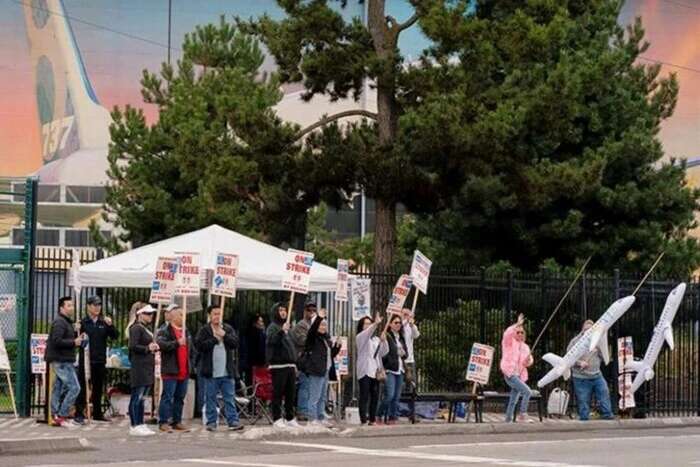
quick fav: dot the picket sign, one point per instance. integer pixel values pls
(479, 369)
(163, 284)
(5, 367)
(360, 293)
(223, 281)
(187, 279)
(297, 275)
(420, 273)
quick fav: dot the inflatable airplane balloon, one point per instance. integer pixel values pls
(662, 331)
(596, 336)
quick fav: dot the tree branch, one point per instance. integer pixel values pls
(408, 23)
(331, 118)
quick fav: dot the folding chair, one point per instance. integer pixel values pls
(251, 401)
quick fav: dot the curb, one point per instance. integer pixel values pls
(19, 447)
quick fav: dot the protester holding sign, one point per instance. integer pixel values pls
(395, 368)
(216, 343)
(281, 357)
(60, 353)
(298, 334)
(515, 360)
(174, 343)
(410, 333)
(588, 380)
(142, 350)
(370, 351)
(99, 330)
(316, 363)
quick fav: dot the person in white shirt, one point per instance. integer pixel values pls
(370, 351)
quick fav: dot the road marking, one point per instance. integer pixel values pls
(242, 463)
(425, 456)
(552, 441)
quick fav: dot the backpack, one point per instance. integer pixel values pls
(558, 402)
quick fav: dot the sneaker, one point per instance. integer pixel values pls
(211, 427)
(58, 421)
(140, 430)
(315, 423)
(80, 420)
(525, 419)
(180, 428)
(70, 424)
(293, 423)
(280, 424)
(147, 431)
(165, 428)
(237, 427)
(326, 423)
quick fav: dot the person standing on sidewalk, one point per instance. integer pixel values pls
(370, 351)
(216, 343)
(515, 360)
(281, 358)
(298, 335)
(410, 334)
(60, 354)
(318, 357)
(99, 330)
(142, 350)
(588, 380)
(174, 344)
(395, 368)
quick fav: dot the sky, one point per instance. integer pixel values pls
(119, 38)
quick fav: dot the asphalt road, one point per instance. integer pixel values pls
(670, 447)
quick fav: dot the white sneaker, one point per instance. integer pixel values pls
(141, 430)
(70, 424)
(293, 423)
(146, 431)
(280, 424)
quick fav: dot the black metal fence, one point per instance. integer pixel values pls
(462, 307)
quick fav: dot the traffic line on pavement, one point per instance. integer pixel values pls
(551, 441)
(426, 456)
(227, 462)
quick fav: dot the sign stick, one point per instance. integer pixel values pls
(184, 314)
(561, 302)
(289, 309)
(157, 381)
(653, 266)
(415, 302)
(12, 393)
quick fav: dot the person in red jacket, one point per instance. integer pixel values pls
(515, 360)
(173, 342)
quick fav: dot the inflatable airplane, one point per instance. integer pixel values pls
(74, 126)
(662, 332)
(596, 336)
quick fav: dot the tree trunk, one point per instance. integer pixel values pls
(384, 235)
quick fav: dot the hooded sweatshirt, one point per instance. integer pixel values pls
(516, 355)
(280, 350)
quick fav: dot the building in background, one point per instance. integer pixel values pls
(65, 63)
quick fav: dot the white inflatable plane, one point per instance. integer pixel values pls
(662, 332)
(596, 336)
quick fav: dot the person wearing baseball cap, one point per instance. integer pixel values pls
(142, 350)
(99, 330)
(298, 334)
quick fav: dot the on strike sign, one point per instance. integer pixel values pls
(341, 288)
(420, 271)
(187, 277)
(342, 360)
(480, 361)
(360, 290)
(297, 275)
(224, 282)
(163, 284)
(37, 346)
(398, 296)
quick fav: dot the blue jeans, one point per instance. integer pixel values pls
(303, 395)
(65, 389)
(318, 389)
(136, 405)
(584, 389)
(226, 387)
(517, 389)
(392, 394)
(172, 400)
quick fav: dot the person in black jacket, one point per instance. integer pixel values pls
(252, 348)
(216, 343)
(318, 357)
(281, 358)
(395, 370)
(99, 330)
(142, 350)
(60, 354)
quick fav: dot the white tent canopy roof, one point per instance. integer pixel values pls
(260, 265)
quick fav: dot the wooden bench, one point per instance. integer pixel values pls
(452, 398)
(504, 396)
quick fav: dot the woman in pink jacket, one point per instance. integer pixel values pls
(514, 363)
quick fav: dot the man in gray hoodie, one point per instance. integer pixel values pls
(588, 380)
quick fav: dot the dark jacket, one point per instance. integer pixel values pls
(205, 343)
(142, 360)
(255, 346)
(315, 356)
(99, 333)
(165, 338)
(391, 360)
(60, 346)
(279, 349)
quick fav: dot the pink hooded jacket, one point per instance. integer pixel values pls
(515, 355)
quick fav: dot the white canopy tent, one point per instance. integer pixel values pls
(260, 265)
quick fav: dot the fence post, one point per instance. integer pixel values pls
(615, 399)
(482, 312)
(543, 286)
(509, 296)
